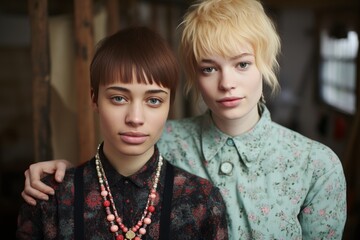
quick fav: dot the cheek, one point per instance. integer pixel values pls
(159, 116)
(205, 89)
(256, 86)
(109, 118)
(157, 123)
(103, 121)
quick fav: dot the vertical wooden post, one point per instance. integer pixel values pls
(113, 21)
(41, 78)
(84, 48)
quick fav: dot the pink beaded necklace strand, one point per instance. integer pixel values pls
(116, 225)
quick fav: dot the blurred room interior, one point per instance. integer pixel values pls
(46, 47)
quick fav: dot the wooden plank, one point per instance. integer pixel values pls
(84, 48)
(41, 78)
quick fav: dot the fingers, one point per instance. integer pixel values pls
(60, 167)
(29, 194)
(34, 188)
(28, 199)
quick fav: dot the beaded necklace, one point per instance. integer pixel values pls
(116, 225)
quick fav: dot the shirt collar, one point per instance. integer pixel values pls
(212, 139)
(141, 178)
(248, 145)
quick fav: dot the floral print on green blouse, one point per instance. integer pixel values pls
(277, 184)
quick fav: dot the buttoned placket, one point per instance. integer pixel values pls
(228, 158)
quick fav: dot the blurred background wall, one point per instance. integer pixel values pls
(319, 96)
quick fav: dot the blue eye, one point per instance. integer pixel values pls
(154, 101)
(118, 99)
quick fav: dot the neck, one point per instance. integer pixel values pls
(238, 126)
(126, 164)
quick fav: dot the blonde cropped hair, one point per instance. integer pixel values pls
(219, 27)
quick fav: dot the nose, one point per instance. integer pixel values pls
(135, 115)
(227, 80)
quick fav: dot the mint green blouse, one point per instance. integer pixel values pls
(277, 184)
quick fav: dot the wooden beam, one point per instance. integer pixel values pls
(311, 3)
(84, 48)
(41, 78)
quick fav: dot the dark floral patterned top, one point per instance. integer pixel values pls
(197, 210)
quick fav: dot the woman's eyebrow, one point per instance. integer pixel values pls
(156, 91)
(241, 55)
(117, 88)
(123, 89)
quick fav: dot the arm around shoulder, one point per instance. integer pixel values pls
(34, 188)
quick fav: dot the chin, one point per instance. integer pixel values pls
(131, 149)
(231, 114)
(134, 150)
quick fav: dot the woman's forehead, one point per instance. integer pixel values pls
(134, 83)
(228, 53)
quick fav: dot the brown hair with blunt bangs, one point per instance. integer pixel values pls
(134, 53)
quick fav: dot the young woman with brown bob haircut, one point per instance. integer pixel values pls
(128, 190)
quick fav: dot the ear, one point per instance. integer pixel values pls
(93, 100)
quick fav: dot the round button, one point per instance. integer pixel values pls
(230, 142)
(226, 168)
